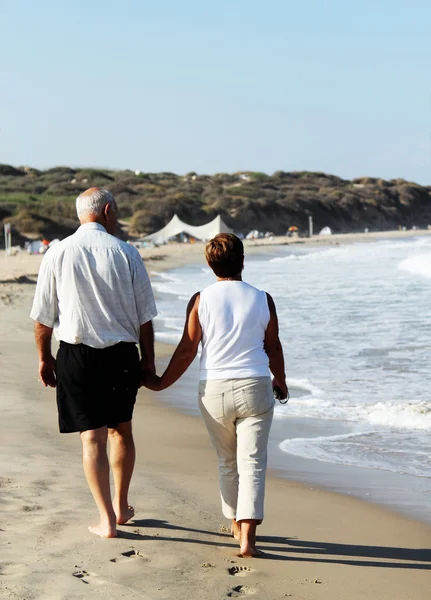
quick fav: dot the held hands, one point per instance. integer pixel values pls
(148, 377)
(281, 392)
(47, 372)
(146, 368)
(151, 381)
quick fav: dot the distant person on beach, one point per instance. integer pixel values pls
(238, 328)
(93, 291)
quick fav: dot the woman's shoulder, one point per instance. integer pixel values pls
(208, 288)
(194, 302)
(253, 288)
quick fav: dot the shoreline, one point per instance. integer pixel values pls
(319, 544)
(174, 255)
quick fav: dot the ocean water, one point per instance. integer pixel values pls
(355, 323)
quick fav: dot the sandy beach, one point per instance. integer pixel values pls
(319, 545)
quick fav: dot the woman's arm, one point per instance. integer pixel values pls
(185, 352)
(274, 350)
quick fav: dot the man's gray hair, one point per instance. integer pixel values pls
(92, 203)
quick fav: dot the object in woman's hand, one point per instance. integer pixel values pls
(278, 394)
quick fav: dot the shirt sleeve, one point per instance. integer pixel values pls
(144, 297)
(45, 304)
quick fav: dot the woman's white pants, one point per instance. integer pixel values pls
(238, 415)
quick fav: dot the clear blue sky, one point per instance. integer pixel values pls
(166, 85)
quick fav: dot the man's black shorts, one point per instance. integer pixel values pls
(96, 387)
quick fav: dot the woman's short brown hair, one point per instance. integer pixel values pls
(225, 255)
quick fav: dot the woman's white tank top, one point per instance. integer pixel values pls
(234, 316)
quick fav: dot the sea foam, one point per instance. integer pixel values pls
(418, 265)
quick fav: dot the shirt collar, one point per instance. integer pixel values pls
(93, 225)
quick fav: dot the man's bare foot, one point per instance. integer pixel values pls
(235, 529)
(124, 515)
(104, 531)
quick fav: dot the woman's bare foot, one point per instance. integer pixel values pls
(235, 529)
(124, 515)
(251, 553)
(248, 537)
(104, 531)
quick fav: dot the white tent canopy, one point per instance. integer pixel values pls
(200, 232)
(325, 231)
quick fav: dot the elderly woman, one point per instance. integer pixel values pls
(238, 328)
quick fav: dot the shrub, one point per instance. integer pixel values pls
(10, 171)
(258, 176)
(144, 222)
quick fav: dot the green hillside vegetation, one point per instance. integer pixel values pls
(42, 203)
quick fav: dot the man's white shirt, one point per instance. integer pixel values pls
(93, 289)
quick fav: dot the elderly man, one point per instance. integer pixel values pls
(93, 291)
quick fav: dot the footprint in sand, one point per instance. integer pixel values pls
(14, 569)
(131, 554)
(238, 570)
(240, 590)
(88, 577)
(33, 508)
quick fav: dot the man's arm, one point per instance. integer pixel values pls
(274, 350)
(44, 312)
(43, 335)
(146, 344)
(144, 297)
(185, 351)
